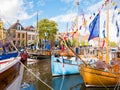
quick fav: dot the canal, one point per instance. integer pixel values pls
(42, 69)
(38, 77)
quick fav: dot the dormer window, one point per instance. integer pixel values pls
(18, 27)
(31, 29)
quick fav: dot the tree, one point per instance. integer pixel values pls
(23, 42)
(112, 44)
(47, 29)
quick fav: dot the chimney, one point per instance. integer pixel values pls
(17, 21)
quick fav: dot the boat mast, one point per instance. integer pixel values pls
(37, 33)
(107, 30)
(77, 33)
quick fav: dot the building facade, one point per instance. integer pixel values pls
(22, 36)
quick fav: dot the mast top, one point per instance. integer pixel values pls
(77, 2)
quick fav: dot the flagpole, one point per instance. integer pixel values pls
(107, 29)
(77, 34)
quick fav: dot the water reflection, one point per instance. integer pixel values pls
(72, 82)
(42, 69)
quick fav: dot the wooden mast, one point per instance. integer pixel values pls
(107, 30)
(37, 41)
(77, 33)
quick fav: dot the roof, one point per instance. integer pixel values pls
(14, 26)
(28, 28)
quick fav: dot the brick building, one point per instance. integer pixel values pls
(22, 36)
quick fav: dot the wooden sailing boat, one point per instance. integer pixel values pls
(11, 70)
(66, 64)
(107, 76)
(101, 74)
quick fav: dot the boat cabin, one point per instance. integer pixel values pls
(115, 55)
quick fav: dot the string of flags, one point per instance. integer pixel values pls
(112, 3)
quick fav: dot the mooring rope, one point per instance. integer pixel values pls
(101, 82)
(117, 85)
(36, 76)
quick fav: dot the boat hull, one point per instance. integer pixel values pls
(11, 76)
(39, 55)
(98, 78)
(66, 68)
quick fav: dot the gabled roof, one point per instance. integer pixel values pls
(28, 28)
(14, 26)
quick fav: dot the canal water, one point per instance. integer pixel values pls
(38, 77)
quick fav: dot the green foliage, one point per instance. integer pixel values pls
(47, 29)
(23, 43)
(69, 42)
(74, 42)
(83, 43)
(112, 44)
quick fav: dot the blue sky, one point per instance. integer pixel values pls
(25, 10)
(61, 11)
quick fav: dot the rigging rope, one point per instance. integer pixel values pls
(117, 85)
(36, 76)
(101, 82)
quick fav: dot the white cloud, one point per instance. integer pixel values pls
(95, 7)
(11, 10)
(64, 18)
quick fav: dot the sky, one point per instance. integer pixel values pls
(61, 11)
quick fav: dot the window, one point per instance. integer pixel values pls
(18, 42)
(18, 27)
(23, 35)
(31, 29)
(18, 35)
(32, 37)
(29, 37)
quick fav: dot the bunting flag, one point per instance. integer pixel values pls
(62, 48)
(90, 17)
(119, 11)
(84, 20)
(103, 43)
(115, 7)
(94, 27)
(94, 14)
(102, 6)
(117, 29)
(114, 3)
(80, 27)
(103, 32)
